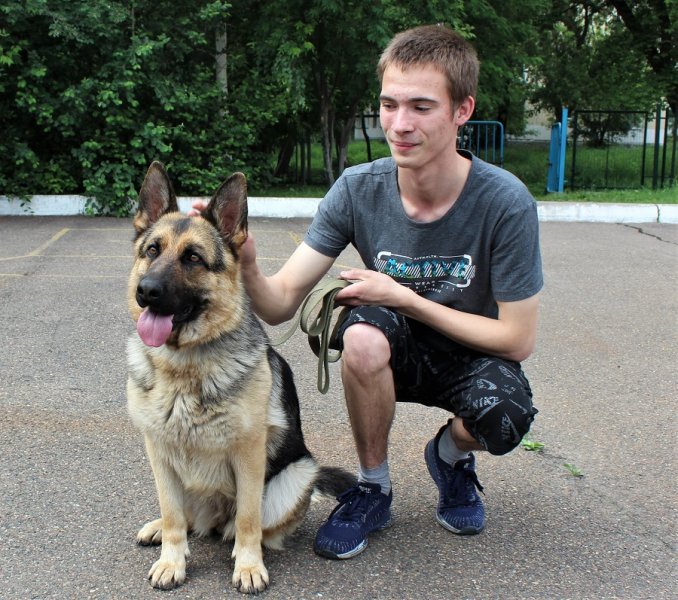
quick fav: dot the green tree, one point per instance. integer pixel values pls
(91, 92)
(270, 55)
(95, 90)
(333, 47)
(345, 53)
(347, 38)
(505, 35)
(653, 27)
(588, 61)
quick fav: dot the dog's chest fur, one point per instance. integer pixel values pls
(193, 411)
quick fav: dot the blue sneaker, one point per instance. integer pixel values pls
(460, 509)
(361, 510)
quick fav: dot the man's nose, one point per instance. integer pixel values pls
(402, 120)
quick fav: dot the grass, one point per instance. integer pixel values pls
(357, 154)
(527, 443)
(603, 174)
(574, 470)
(637, 196)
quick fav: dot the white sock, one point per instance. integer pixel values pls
(447, 449)
(379, 475)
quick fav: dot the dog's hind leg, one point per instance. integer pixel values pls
(286, 500)
(150, 534)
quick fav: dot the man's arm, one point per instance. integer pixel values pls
(276, 298)
(511, 336)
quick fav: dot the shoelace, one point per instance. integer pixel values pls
(354, 501)
(463, 482)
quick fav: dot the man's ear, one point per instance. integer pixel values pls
(156, 198)
(227, 210)
(464, 110)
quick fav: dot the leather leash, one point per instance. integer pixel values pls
(316, 325)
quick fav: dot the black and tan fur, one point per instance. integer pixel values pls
(216, 404)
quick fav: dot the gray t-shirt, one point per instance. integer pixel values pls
(484, 249)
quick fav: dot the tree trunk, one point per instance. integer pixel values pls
(345, 135)
(327, 125)
(287, 146)
(221, 61)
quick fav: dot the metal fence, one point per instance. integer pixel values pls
(485, 139)
(612, 149)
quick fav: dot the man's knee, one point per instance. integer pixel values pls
(365, 348)
(500, 428)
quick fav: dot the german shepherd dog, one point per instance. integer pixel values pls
(217, 406)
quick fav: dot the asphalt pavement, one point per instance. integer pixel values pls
(75, 485)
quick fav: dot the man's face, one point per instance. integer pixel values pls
(416, 115)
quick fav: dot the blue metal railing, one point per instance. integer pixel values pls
(485, 139)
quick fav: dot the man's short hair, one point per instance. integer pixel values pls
(440, 46)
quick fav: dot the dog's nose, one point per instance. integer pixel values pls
(149, 291)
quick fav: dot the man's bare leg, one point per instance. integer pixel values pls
(461, 437)
(370, 400)
(370, 393)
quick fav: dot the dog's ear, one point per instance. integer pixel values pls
(156, 198)
(227, 210)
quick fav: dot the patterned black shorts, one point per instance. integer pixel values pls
(490, 394)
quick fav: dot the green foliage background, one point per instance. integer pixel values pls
(92, 91)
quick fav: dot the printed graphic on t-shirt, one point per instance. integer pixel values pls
(428, 273)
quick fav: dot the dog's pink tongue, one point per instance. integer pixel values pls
(154, 329)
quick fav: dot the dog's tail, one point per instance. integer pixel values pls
(332, 481)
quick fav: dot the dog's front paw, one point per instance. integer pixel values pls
(167, 574)
(150, 534)
(250, 579)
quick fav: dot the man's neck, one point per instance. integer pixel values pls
(430, 192)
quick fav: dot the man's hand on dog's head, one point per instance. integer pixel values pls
(248, 252)
(197, 206)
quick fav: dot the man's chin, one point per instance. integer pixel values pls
(405, 162)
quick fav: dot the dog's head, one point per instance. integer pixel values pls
(185, 287)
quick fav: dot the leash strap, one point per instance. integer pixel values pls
(316, 325)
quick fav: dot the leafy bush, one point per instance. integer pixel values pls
(92, 92)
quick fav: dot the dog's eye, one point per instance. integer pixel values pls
(194, 258)
(152, 251)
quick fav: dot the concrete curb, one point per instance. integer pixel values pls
(607, 213)
(51, 206)
(288, 208)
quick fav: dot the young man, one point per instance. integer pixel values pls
(447, 305)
